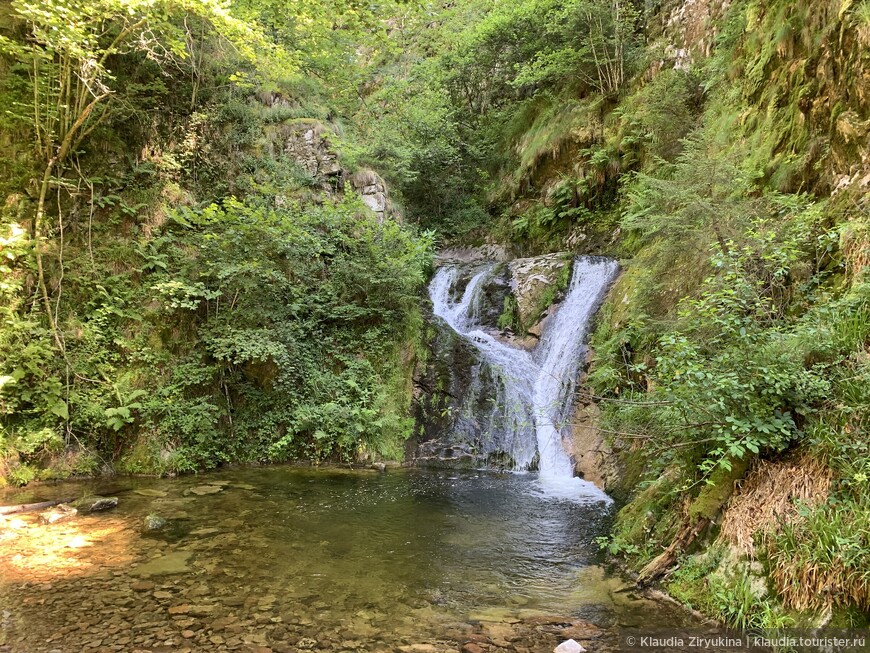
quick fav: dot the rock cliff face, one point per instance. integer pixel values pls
(594, 459)
(689, 29)
(307, 142)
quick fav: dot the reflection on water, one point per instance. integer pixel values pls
(290, 558)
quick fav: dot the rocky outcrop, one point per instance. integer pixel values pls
(373, 191)
(594, 458)
(689, 29)
(307, 142)
(536, 282)
(466, 255)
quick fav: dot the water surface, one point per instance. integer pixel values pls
(290, 558)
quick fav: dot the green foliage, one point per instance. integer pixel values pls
(297, 309)
(728, 590)
(658, 116)
(738, 331)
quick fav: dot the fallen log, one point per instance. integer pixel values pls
(702, 511)
(30, 507)
(657, 567)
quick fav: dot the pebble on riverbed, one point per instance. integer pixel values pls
(569, 646)
(153, 523)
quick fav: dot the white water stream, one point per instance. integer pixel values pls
(532, 405)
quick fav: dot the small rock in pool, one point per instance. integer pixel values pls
(95, 504)
(202, 490)
(171, 563)
(379, 466)
(154, 522)
(569, 646)
(199, 532)
(149, 492)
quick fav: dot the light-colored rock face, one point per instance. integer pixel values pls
(587, 447)
(689, 31)
(307, 145)
(531, 278)
(373, 191)
(462, 255)
(595, 460)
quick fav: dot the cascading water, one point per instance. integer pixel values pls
(533, 390)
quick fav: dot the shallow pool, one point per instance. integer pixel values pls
(288, 558)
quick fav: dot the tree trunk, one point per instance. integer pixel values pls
(656, 568)
(30, 507)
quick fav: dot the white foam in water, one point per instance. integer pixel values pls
(534, 390)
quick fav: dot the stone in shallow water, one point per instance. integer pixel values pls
(95, 504)
(171, 563)
(199, 532)
(569, 646)
(202, 490)
(148, 492)
(154, 522)
(58, 513)
(493, 614)
(581, 630)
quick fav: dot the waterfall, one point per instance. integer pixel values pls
(533, 390)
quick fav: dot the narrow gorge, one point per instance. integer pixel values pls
(493, 326)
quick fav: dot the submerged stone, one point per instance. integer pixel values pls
(199, 532)
(171, 563)
(58, 513)
(202, 490)
(149, 492)
(569, 646)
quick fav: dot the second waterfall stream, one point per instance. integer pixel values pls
(533, 390)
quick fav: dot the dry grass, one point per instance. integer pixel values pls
(823, 560)
(768, 497)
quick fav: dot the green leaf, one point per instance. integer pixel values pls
(60, 409)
